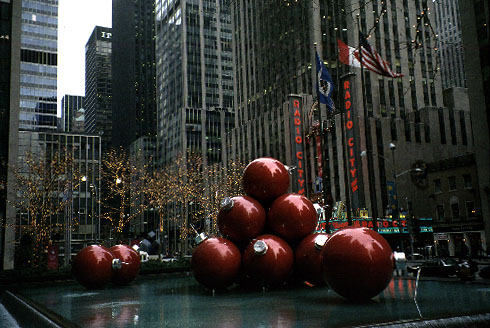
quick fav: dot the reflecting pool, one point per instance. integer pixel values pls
(179, 301)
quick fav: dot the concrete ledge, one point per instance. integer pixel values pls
(470, 321)
(29, 314)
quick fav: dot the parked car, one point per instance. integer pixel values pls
(437, 268)
(485, 272)
(415, 257)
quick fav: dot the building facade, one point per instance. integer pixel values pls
(400, 124)
(71, 113)
(79, 222)
(133, 71)
(39, 65)
(475, 16)
(10, 31)
(451, 49)
(98, 85)
(194, 74)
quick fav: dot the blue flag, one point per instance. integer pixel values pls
(324, 84)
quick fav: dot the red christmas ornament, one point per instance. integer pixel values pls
(357, 263)
(128, 266)
(268, 260)
(216, 262)
(292, 217)
(308, 257)
(241, 218)
(265, 179)
(92, 266)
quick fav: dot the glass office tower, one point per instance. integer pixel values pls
(38, 66)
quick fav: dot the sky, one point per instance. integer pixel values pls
(76, 21)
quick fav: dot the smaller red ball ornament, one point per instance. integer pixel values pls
(241, 218)
(268, 260)
(308, 257)
(292, 217)
(265, 179)
(357, 263)
(128, 266)
(92, 266)
(216, 262)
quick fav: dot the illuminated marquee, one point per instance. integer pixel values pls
(296, 131)
(351, 146)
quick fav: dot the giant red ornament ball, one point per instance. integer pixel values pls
(241, 218)
(308, 258)
(357, 263)
(129, 265)
(265, 179)
(292, 217)
(268, 260)
(216, 262)
(92, 266)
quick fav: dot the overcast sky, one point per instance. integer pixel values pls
(76, 21)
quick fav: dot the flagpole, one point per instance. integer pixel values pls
(327, 194)
(369, 153)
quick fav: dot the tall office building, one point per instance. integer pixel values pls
(133, 71)
(475, 23)
(38, 60)
(451, 49)
(398, 124)
(10, 31)
(98, 85)
(71, 113)
(194, 76)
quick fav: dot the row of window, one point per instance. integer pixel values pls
(454, 212)
(452, 183)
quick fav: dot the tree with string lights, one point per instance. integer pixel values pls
(121, 180)
(177, 192)
(44, 183)
(222, 181)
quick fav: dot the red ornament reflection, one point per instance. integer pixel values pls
(308, 258)
(292, 217)
(130, 264)
(92, 266)
(357, 263)
(265, 179)
(216, 262)
(268, 260)
(241, 218)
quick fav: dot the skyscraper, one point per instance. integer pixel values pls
(194, 74)
(397, 124)
(133, 71)
(98, 85)
(451, 50)
(39, 60)
(70, 115)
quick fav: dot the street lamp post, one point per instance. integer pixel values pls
(395, 209)
(395, 175)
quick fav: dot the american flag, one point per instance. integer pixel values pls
(373, 61)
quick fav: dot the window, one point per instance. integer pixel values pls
(470, 209)
(455, 210)
(437, 186)
(452, 183)
(467, 181)
(440, 212)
